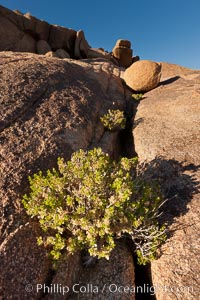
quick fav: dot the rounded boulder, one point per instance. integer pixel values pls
(143, 75)
(42, 47)
(61, 53)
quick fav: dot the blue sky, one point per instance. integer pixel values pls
(158, 30)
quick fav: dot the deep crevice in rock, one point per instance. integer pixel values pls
(143, 282)
(49, 280)
(126, 139)
(143, 276)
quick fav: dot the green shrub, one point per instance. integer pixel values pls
(114, 120)
(91, 201)
(137, 97)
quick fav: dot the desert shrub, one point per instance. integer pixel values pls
(91, 201)
(114, 120)
(137, 97)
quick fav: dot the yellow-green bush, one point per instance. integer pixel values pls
(137, 97)
(114, 120)
(91, 201)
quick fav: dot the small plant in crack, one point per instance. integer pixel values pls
(137, 97)
(114, 120)
(91, 201)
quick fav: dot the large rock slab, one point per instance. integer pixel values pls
(167, 126)
(49, 108)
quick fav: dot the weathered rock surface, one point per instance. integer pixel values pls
(48, 108)
(143, 75)
(167, 124)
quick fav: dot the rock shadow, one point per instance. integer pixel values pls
(169, 80)
(137, 122)
(178, 184)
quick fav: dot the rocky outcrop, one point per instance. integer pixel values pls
(166, 134)
(123, 53)
(143, 75)
(25, 33)
(81, 45)
(49, 108)
(20, 32)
